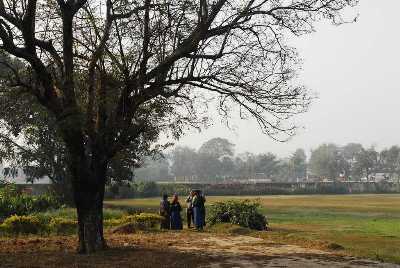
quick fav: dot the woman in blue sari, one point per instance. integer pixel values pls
(176, 220)
(198, 210)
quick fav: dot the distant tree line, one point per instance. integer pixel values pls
(354, 162)
(216, 160)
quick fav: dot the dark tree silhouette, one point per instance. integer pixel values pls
(115, 73)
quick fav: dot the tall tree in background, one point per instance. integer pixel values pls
(267, 164)
(298, 164)
(153, 169)
(210, 155)
(114, 74)
(184, 162)
(327, 161)
(390, 161)
(366, 162)
(350, 153)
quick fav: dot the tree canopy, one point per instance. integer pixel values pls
(114, 74)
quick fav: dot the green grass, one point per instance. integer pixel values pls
(70, 213)
(365, 225)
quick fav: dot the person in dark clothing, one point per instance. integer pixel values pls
(203, 207)
(198, 210)
(176, 220)
(189, 209)
(165, 210)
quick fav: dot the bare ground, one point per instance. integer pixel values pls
(171, 249)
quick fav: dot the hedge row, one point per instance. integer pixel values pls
(34, 224)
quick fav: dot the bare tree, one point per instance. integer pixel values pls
(116, 72)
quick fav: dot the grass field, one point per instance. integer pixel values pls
(364, 225)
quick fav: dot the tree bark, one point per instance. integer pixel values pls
(90, 222)
(88, 187)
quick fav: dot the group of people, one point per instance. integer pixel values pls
(195, 211)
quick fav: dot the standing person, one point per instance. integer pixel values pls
(197, 210)
(189, 209)
(165, 209)
(203, 207)
(176, 220)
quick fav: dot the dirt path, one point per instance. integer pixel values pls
(250, 252)
(171, 249)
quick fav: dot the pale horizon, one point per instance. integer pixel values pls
(352, 68)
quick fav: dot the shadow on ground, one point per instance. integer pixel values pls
(170, 249)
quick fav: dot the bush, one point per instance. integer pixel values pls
(143, 221)
(113, 222)
(23, 225)
(148, 220)
(244, 213)
(14, 203)
(63, 226)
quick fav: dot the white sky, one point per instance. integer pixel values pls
(354, 69)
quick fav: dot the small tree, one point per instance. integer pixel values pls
(116, 73)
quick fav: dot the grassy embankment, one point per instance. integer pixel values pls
(365, 225)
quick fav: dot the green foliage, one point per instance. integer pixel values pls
(133, 190)
(143, 221)
(244, 213)
(147, 189)
(12, 202)
(113, 213)
(23, 225)
(63, 225)
(66, 213)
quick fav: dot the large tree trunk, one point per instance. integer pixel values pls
(89, 207)
(87, 162)
(88, 186)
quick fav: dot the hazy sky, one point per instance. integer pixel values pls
(354, 69)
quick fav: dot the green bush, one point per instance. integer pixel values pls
(146, 219)
(66, 213)
(109, 213)
(63, 225)
(23, 225)
(113, 222)
(13, 202)
(143, 221)
(244, 213)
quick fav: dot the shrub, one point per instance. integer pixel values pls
(142, 220)
(14, 203)
(241, 212)
(113, 222)
(23, 225)
(113, 213)
(148, 220)
(66, 213)
(63, 226)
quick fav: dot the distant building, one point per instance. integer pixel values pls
(378, 177)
